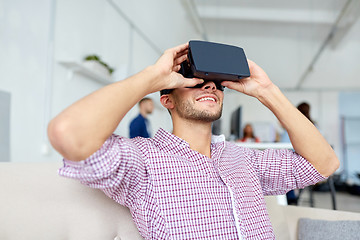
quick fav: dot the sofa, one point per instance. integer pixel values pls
(294, 222)
(36, 203)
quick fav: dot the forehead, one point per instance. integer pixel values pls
(148, 102)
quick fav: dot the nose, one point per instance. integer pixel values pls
(209, 85)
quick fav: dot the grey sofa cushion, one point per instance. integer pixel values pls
(322, 229)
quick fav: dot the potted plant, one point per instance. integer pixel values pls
(94, 62)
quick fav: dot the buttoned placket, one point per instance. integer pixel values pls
(215, 158)
(237, 220)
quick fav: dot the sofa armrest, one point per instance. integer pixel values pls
(285, 218)
(328, 229)
(294, 213)
(36, 203)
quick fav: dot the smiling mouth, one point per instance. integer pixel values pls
(212, 99)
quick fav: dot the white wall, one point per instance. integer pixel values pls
(350, 133)
(39, 85)
(24, 34)
(338, 68)
(111, 36)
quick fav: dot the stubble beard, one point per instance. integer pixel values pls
(186, 110)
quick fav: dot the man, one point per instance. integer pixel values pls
(139, 126)
(188, 184)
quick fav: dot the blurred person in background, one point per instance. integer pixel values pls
(304, 107)
(248, 134)
(140, 126)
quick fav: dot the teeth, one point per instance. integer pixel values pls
(207, 99)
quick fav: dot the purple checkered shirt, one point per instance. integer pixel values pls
(174, 192)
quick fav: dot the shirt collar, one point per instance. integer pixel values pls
(164, 136)
(217, 138)
(169, 142)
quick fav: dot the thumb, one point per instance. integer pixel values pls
(191, 82)
(238, 85)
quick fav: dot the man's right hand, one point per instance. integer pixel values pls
(168, 66)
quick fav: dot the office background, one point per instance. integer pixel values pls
(310, 49)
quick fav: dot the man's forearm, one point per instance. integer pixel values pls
(305, 138)
(83, 127)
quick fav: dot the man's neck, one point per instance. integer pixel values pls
(143, 113)
(197, 134)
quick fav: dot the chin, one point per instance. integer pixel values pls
(206, 117)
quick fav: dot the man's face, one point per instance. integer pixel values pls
(148, 106)
(202, 104)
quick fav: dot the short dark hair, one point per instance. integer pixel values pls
(144, 100)
(165, 91)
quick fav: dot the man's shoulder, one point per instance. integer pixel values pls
(234, 149)
(137, 120)
(137, 143)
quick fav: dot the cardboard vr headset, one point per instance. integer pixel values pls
(214, 62)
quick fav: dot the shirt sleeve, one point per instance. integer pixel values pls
(117, 168)
(282, 170)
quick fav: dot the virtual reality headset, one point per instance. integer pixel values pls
(214, 62)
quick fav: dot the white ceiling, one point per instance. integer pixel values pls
(301, 44)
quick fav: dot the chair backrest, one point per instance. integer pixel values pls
(36, 203)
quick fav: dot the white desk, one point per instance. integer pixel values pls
(262, 146)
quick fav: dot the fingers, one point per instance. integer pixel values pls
(177, 51)
(185, 82)
(184, 52)
(180, 59)
(177, 63)
(238, 85)
(176, 68)
(181, 56)
(180, 53)
(228, 84)
(180, 48)
(190, 82)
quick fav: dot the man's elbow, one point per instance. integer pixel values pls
(333, 164)
(59, 134)
(55, 134)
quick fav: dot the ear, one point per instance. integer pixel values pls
(167, 101)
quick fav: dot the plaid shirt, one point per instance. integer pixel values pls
(174, 192)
